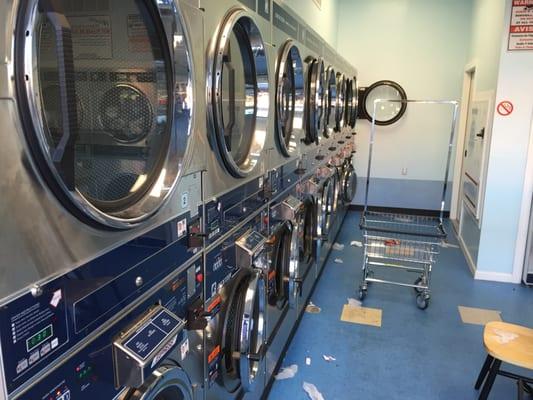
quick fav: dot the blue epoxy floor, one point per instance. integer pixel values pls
(415, 354)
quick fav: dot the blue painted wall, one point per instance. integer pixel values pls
(423, 45)
(402, 193)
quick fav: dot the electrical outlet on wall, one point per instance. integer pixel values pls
(404, 171)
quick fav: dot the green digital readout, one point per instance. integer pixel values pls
(39, 337)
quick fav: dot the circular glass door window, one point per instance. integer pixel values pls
(341, 101)
(331, 102)
(239, 99)
(389, 111)
(103, 100)
(289, 98)
(315, 101)
(353, 102)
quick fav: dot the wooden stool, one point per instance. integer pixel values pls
(512, 344)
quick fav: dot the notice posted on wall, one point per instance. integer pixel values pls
(521, 27)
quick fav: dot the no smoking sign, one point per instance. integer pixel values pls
(505, 108)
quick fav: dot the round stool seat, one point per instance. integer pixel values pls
(512, 344)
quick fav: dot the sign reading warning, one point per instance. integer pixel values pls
(521, 27)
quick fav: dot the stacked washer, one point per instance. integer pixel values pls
(167, 207)
(101, 165)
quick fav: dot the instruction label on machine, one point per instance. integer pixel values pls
(521, 26)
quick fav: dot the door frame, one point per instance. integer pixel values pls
(466, 94)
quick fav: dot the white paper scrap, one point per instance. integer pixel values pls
(356, 243)
(354, 302)
(287, 372)
(312, 391)
(339, 261)
(329, 358)
(338, 246)
(504, 337)
(307, 360)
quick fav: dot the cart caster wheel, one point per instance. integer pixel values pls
(419, 281)
(362, 293)
(422, 301)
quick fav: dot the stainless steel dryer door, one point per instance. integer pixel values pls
(341, 102)
(284, 258)
(244, 332)
(104, 92)
(289, 98)
(238, 94)
(349, 183)
(331, 102)
(166, 383)
(352, 102)
(314, 101)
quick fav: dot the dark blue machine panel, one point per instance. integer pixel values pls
(283, 179)
(220, 262)
(42, 328)
(89, 374)
(230, 209)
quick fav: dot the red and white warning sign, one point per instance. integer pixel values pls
(505, 108)
(521, 27)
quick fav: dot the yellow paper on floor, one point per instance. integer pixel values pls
(361, 315)
(478, 316)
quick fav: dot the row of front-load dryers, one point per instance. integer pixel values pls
(174, 174)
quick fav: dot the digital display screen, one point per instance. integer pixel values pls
(39, 337)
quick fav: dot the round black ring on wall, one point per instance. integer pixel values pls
(368, 113)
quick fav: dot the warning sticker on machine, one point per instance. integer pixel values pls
(521, 26)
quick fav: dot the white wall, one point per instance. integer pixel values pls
(507, 163)
(423, 45)
(324, 20)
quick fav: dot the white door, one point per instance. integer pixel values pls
(473, 163)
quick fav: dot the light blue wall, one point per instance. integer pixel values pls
(401, 193)
(423, 45)
(484, 54)
(324, 20)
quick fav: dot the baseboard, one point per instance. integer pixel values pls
(495, 277)
(412, 211)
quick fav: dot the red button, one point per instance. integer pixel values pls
(200, 277)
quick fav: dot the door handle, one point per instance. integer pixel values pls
(481, 133)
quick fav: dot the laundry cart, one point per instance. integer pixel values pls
(403, 242)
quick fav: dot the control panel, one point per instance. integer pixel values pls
(149, 332)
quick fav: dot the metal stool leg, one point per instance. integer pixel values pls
(490, 379)
(484, 371)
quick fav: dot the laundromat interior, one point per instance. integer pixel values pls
(266, 199)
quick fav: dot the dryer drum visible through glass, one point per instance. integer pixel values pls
(102, 121)
(284, 258)
(289, 98)
(243, 333)
(341, 102)
(315, 101)
(308, 231)
(349, 183)
(330, 102)
(352, 102)
(238, 99)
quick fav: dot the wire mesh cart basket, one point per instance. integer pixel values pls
(403, 242)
